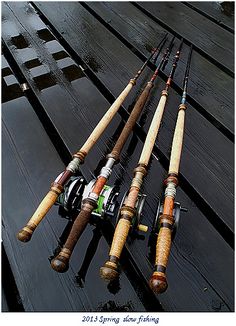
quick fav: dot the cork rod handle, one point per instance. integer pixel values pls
(158, 281)
(106, 119)
(177, 143)
(120, 236)
(109, 271)
(153, 130)
(49, 200)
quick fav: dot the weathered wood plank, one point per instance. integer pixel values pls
(207, 37)
(216, 11)
(26, 180)
(200, 160)
(215, 88)
(195, 298)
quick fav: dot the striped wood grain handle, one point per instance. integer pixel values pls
(158, 282)
(49, 200)
(61, 262)
(106, 119)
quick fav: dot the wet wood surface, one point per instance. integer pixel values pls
(76, 58)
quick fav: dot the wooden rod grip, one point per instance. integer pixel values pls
(49, 200)
(153, 131)
(158, 281)
(61, 262)
(106, 119)
(110, 270)
(177, 143)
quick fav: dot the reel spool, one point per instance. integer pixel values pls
(136, 225)
(76, 190)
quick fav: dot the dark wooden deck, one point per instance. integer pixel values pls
(76, 58)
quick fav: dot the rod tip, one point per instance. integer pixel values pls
(109, 273)
(24, 236)
(158, 283)
(60, 264)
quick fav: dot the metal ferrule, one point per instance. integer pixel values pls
(74, 165)
(93, 196)
(137, 180)
(107, 169)
(170, 190)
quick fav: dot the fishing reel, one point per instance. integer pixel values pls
(136, 221)
(156, 224)
(76, 190)
(108, 204)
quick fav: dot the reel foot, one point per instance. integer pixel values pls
(158, 283)
(109, 272)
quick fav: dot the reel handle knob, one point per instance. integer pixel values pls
(49, 200)
(158, 281)
(142, 228)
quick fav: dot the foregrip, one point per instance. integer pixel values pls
(106, 119)
(110, 270)
(49, 200)
(61, 262)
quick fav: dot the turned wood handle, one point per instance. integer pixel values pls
(158, 281)
(61, 262)
(106, 119)
(110, 270)
(49, 200)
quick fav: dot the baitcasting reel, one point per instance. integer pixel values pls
(156, 224)
(136, 225)
(108, 204)
(76, 190)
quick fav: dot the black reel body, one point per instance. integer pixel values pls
(76, 190)
(176, 214)
(136, 225)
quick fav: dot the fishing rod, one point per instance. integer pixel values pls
(166, 220)
(128, 216)
(91, 202)
(57, 186)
